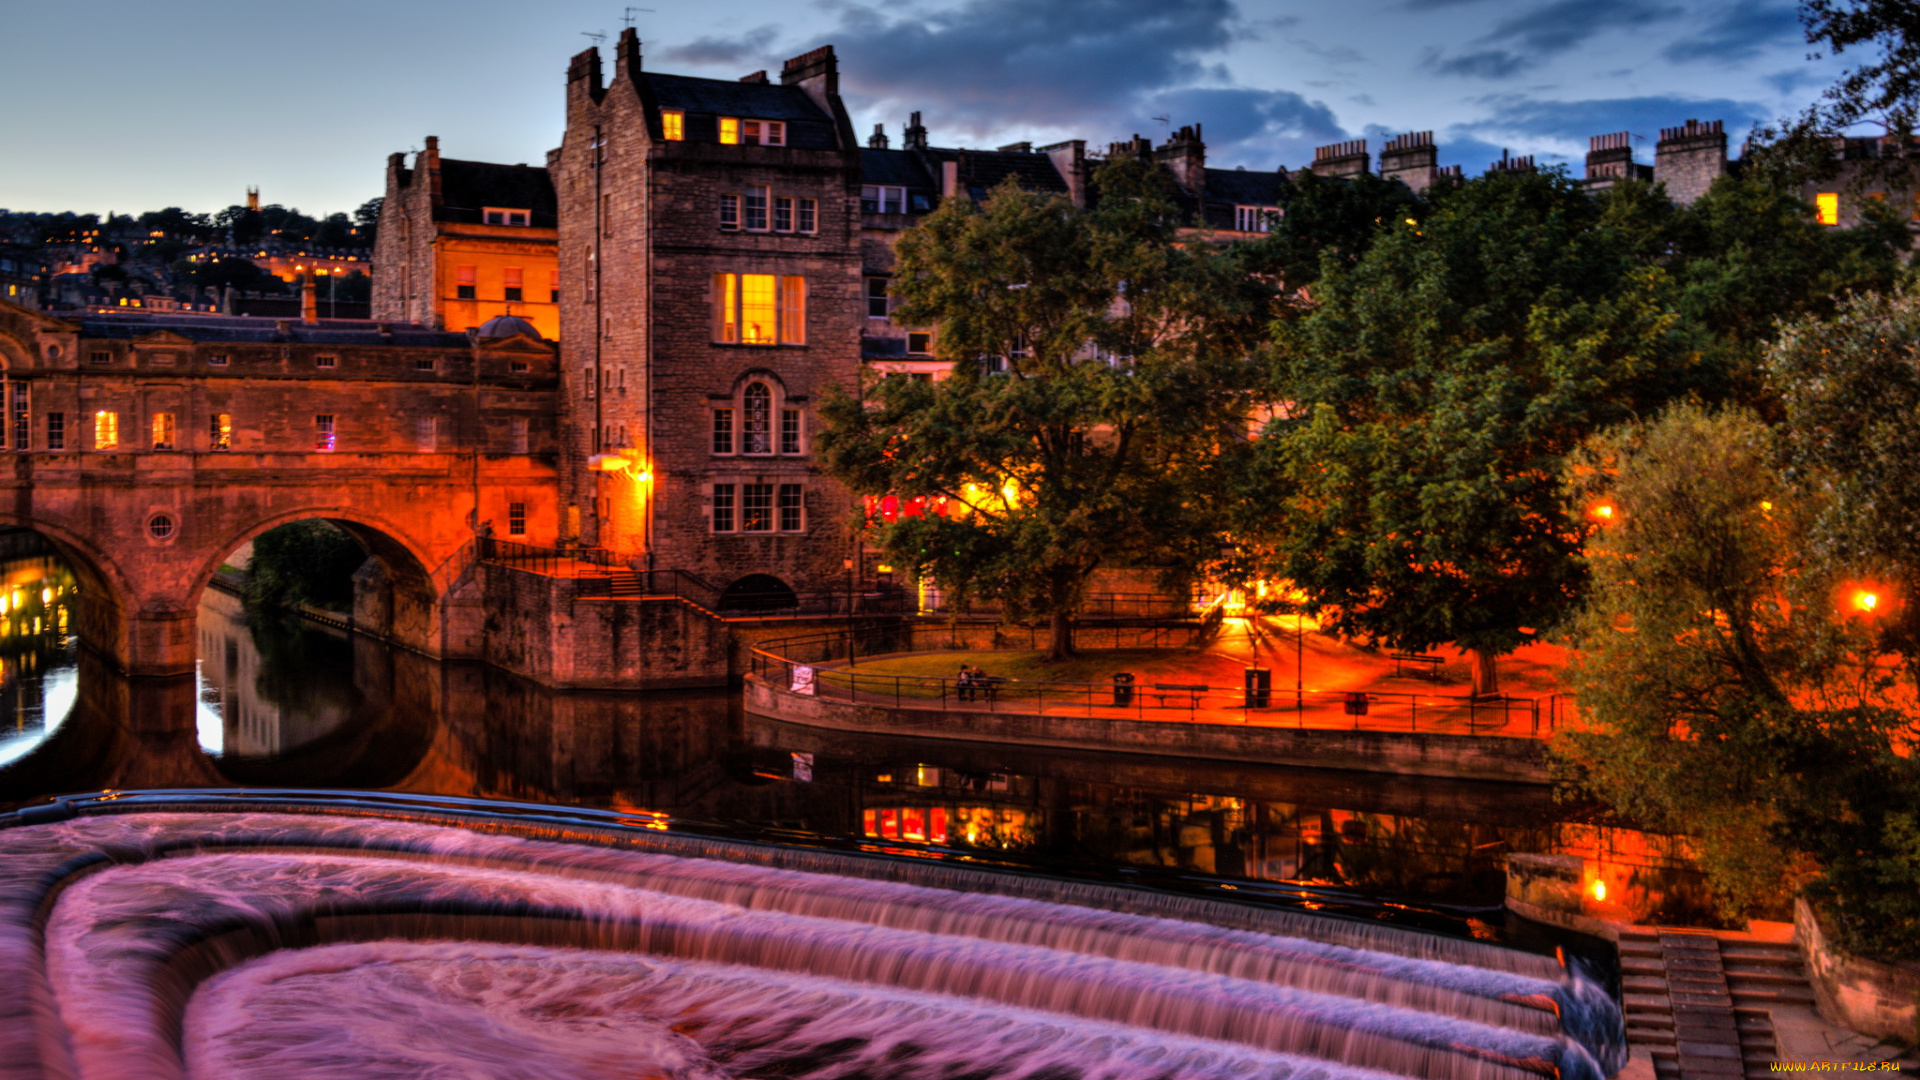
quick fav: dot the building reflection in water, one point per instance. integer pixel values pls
(38, 677)
(294, 704)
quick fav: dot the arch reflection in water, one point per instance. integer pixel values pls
(297, 945)
(38, 676)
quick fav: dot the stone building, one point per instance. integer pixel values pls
(461, 242)
(711, 294)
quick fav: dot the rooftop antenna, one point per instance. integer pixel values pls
(599, 37)
(626, 20)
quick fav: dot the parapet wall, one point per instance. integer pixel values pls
(536, 627)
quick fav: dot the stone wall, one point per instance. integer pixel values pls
(535, 626)
(1873, 998)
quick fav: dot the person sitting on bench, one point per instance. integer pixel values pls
(964, 684)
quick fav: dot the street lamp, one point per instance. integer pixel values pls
(851, 661)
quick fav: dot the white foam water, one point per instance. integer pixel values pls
(356, 947)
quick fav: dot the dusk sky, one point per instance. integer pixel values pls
(129, 107)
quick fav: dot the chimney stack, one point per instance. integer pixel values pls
(878, 140)
(309, 304)
(915, 136)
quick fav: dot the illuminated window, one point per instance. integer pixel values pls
(756, 430)
(220, 431)
(553, 286)
(793, 516)
(426, 434)
(723, 431)
(756, 208)
(809, 215)
(673, 124)
(518, 434)
(729, 212)
(756, 508)
(512, 282)
(517, 519)
(919, 342)
(1827, 208)
(56, 431)
(163, 431)
(729, 130)
(722, 508)
(466, 282)
(759, 309)
(760, 132)
(789, 431)
(106, 430)
(323, 432)
(782, 214)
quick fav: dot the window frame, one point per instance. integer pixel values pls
(516, 519)
(757, 507)
(219, 432)
(750, 404)
(730, 213)
(881, 299)
(807, 216)
(721, 500)
(722, 432)
(673, 125)
(792, 431)
(466, 282)
(729, 131)
(106, 431)
(748, 209)
(57, 430)
(326, 433)
(783, 210)
(790, 499)
(165, 435)
(728, 308)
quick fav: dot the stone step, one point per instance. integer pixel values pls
(1643, 984)
(1644, 1036)
(1775, 995)
(1760, 954)
(1634, 1002)
(1641, 965)
(1763, 976)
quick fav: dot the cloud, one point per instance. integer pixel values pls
(1255, 128)
(1522, 41)
(1739, 33)
(736, 50)
(1573, 122)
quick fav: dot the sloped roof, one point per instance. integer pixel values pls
(1244, 187)
(240, 330)
(896, 168)
(808, 125)
(983, 170)
(468, 186)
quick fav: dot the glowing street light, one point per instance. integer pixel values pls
(1865, 601)
(1602, 512)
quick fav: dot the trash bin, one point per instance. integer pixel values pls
(1259, 688)
(1356, 704)
(1122, 688)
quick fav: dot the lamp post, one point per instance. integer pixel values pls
(851, 661)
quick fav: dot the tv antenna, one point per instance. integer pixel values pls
(599, 36)
(626, 20)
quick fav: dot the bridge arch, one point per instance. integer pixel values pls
(107, 599)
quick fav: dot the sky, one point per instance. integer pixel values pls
(113, 105)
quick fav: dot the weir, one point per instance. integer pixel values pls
(249, 934)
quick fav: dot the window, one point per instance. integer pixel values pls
(323, 432)
(517, 434)
(423, 363)
(99, 359)
(789, 431)
(106, 430)
(163, 431)
(673, 124)
(756, 508)
(466, 282)
(876, 298)
(426, 433)
(56, 431)
(809, 215)
(723, 508)
(553, 286)
(729, 212)
(875, 199)
(757, 208)
(919, 342)
(586, 380)
(756, 432)
(22, 416)
(512, 283)
(160, 526)
(606, 215)
(759, 309)
(326, 361)
(763, 132)
(220, 432)
(782, 214)
(1827, 208)
(593, 277)
(161, 359)
(1254, 218)
(793, 516)
(517, 367)
(723, 431)
(517, 519)
(217, 360)
(729, 130)
(500, 215)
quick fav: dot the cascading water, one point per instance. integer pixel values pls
(283, 945)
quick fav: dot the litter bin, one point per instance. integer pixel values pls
(1259, 688)
(1123, 688)
(1356, 704)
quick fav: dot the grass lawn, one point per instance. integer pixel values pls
(1092, 666)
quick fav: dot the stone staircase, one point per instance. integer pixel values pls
(1701, 1004)
(623, 585)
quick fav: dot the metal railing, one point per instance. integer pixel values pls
(775, 661)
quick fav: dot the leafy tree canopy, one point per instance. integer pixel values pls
(306, 562)
(1332, 222)
(1411, 486)
(1122, 384)
(1882, 94)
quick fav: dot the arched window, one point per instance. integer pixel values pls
(756, 429)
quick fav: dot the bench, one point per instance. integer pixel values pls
(1192, 690)
(1432, 663)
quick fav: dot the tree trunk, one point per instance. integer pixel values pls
(1486, 675)
(1061, 625)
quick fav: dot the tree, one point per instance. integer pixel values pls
(1724, 694)
(306, 562)
(1411, 486)
(367, 219)
(1884, 92)
(1332, 222)
(1120, 383)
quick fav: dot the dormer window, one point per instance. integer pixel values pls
(500, 215)
(875, 199)
(1254, 218)
(729, 130)
(673, 124)
(734, 130)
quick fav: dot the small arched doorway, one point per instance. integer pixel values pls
(759, 592)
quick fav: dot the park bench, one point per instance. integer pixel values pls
(1192, 690)
(1430, 662)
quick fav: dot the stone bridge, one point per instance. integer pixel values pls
(150, 447)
